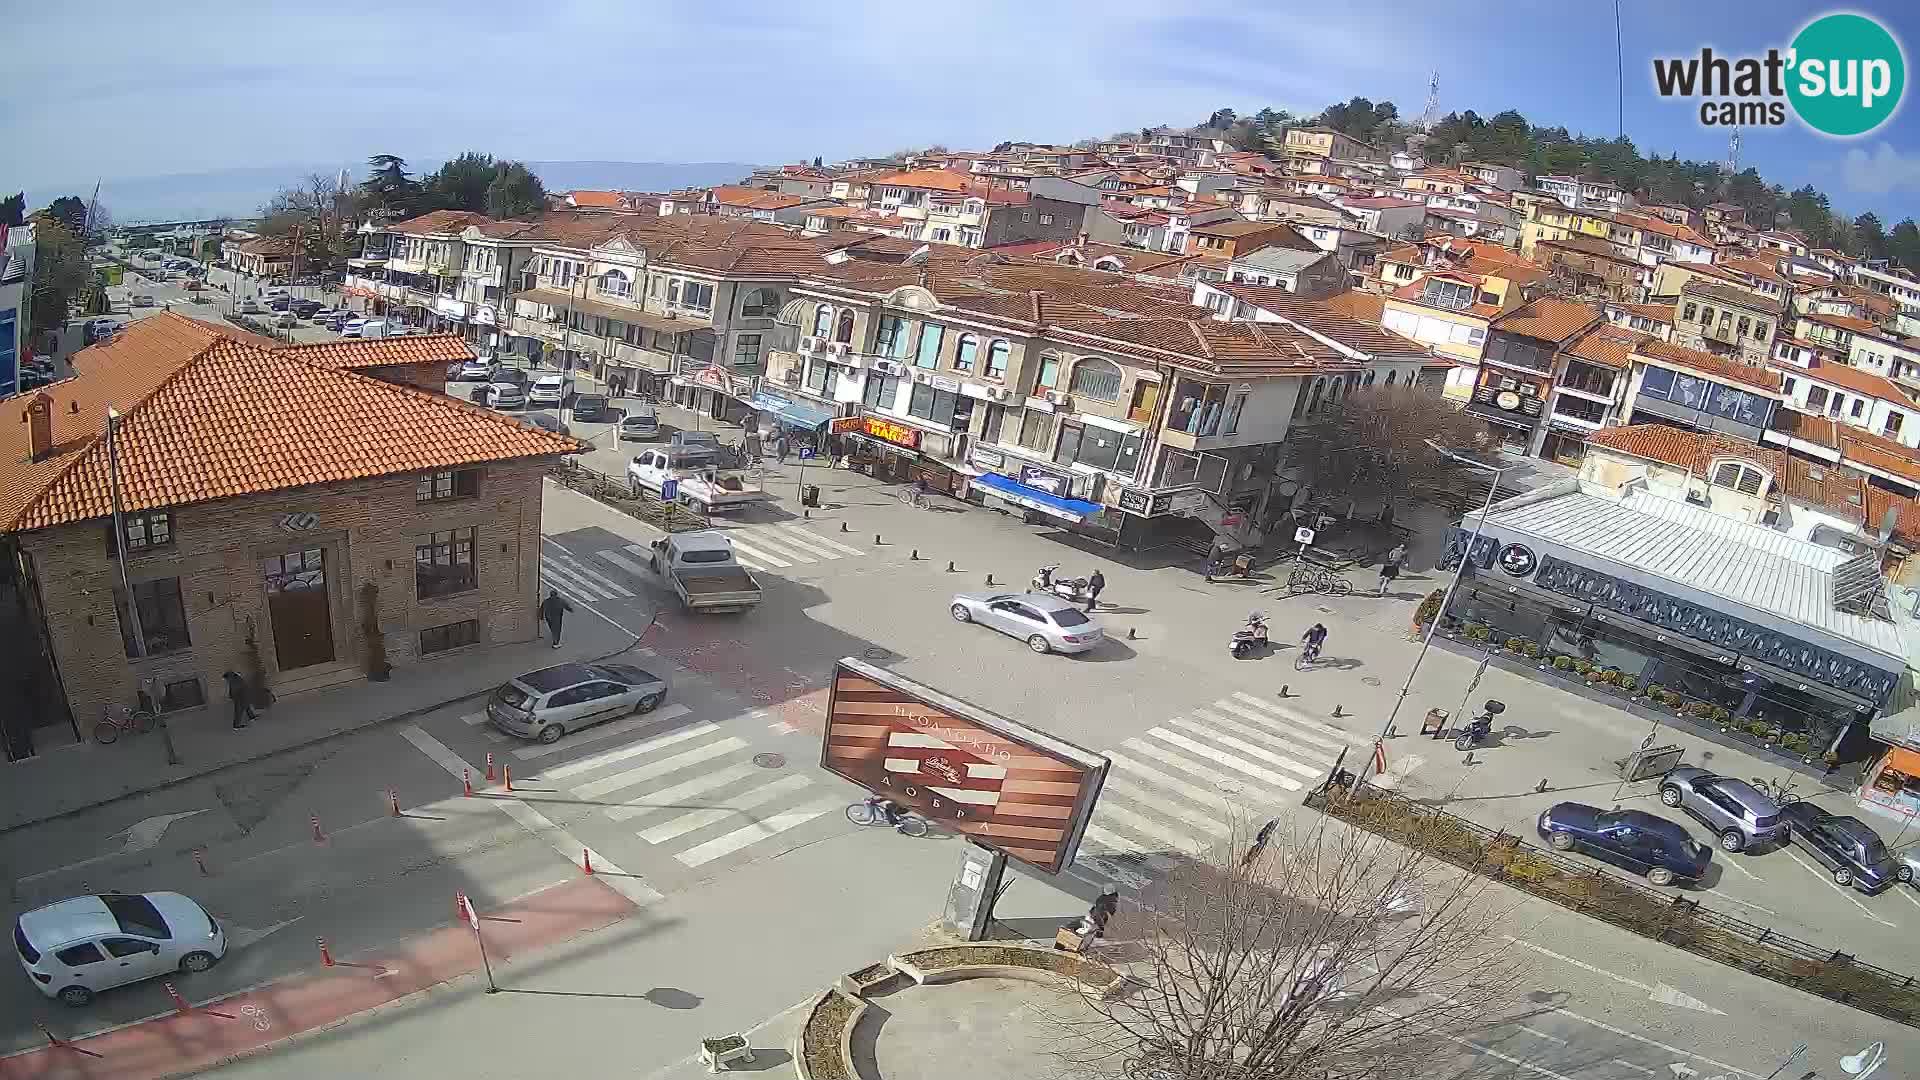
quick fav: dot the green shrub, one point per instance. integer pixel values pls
(1532, 649)
(1629, 684)
(1514, 644)
(1429, 607)
(1563, 663)
(1582, 667)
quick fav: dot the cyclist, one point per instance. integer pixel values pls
(887, 809)
(1312, 641)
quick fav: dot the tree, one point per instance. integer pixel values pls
(59, 270)
(1359, 118)
(99, 223)
(514, 192)
(1328, 953)
(1221, 120)
(461, 184)
(69, 211)
(1904, 243)
(1371, 446)
(319, 213)
(816, 161)
(388, 187)
(1869, 238)
(13, 209)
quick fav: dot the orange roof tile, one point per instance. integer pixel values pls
(1548, 319)
(1858, 380)
(439, 222)
(1656, 312)
(1708, 364)
(208, 414)
(931, 179)
(1607, 345)
(1690, 450)
(1368, 307)
(1872, 451)
(1849, 323)
(349, 354)
(1906, 522)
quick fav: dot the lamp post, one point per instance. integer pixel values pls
(1426, 643)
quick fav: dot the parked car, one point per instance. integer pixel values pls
(322, 314)
(1851, 851)
(506, 373)
(1632, 839)
(548, 390)
(141, 299)
(553, 701)
(474, 371)
(1908, 862)
(591, 408)
(279, 303)
(695, 440)
(506, 395)
(1740, 813)
(548, 422)
(76, 948)
(353, 328)
(1046, 623)
(642, 422)
(286, 319)
(306, 309)
(251, 306)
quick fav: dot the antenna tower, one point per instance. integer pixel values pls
(1431, 114)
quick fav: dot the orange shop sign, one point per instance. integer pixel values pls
(888, 431)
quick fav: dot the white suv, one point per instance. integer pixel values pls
(548, 390)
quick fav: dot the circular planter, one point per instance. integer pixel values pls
(951, 963)
(833, 1017)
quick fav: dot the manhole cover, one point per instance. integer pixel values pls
(770, 761)
(1323, 609)
(876, 654)
(1370, 680)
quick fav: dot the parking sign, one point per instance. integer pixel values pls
(669, 490)
(806, 453)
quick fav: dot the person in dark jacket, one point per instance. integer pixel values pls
(1095, 582)
(1260, 841)
(1103, 909)
(243, 713)
(553, 610)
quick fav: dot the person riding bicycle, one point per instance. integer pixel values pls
(886, 808)
(1313, 639)
(921, 488)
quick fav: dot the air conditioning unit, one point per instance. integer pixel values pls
(810, 345)
(1059, 399)
(890, 367)
(998, 393)
(838, 348)
(923, 376)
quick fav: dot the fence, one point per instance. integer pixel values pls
(619, 495)
(1676, 920)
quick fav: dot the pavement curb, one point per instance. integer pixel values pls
(398, 717)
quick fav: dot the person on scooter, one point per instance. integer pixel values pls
(1257, 626)
(1313, 640)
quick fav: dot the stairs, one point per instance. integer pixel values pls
(317, 677)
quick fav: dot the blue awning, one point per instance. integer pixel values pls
(1074, 510)
(792, 413)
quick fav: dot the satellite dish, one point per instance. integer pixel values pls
(919, 256)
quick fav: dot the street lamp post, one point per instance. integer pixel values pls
(1426, 643)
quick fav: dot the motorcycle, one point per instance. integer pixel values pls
(1250, 638)
(1479, 728)
(1073, 590)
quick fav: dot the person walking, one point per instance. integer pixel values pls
(553, 610)
(243, 713)
(1397, 555)
(1388, 571)
(780, 447)
(1260, 841)
(1104, 907)
(1095, 582)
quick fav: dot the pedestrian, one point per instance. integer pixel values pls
(1388, 571)
(553, 610)
(780, 447)
(1397, 554)
(1260, 841)
(1095, 582)
(1104, 907)
(243, 713)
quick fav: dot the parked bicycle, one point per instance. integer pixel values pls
(1315, 579)
(119, 719)
(872, 811)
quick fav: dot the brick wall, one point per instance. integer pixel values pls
(367, 529)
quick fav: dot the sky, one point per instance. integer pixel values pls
(217, 84)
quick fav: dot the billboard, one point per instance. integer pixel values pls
(998, 782)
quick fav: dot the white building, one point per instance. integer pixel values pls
(16, 294)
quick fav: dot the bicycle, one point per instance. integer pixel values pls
(868, 812)
(1313, 579)
(915, 498)
(1306, 657)
(137, 721)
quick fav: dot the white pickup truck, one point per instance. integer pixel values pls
(703, 572)
(701, 483)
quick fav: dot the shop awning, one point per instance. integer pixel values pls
(795, 413)
(1074, 510)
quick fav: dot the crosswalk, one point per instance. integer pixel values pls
(766, 548)
(580, 582)
(779, 547)
(1180, 789)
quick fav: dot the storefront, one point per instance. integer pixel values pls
(715, 391)
(799, 422)
(1729, 626)
(1892, 785)
(879, 447)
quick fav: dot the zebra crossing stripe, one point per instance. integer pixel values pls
(558, 577)
(1265, 776)
(474, 719)
(700, 819)
(1250, 749)
(1227, 785)
(1138, 794)
(576, 567)
(1120, 845)
(666, 797)
(759, 830)
(625, 563)
(1279, 726)
(603, 732)
(659, 768)
(761, 556)
(776, 547)
(1302, 720)
(1118, 814)
(805, 541)
(608, 757)
(1200, 795)
(1314, 754)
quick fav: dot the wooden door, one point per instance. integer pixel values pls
(297, 606)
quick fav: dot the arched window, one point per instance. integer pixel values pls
(1368, 381)
(843, 331)
(1313, 400)
(822, 320)
(1048, 377)
(615, 283)
(997, 360)
(1096, 378)
(963, 352)
(1390, 376)
(760, 304)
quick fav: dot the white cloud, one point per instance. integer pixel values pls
(1881, 171)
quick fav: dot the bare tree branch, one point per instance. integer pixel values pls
(1372, 445)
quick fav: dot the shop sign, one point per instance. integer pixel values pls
(453, 309)
(987, 458)
(1186, 502)
(734, 386)
(1145, 504)
(841, 425)
(888, 431)
(1518, 560)
(973, 390)
(1053, 483)
(486, 316)
(941, 382)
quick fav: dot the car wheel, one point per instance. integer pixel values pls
(1905, 874)
(1660, 875)
(1039, 644)
(197, 961)
(649, 703)
(961, 614)
(76, 996)
(1843, 877)
(551, 733)
(1733, 840)
(1561, 841)
(1670, 795)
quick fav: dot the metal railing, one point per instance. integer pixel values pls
(1675, 919)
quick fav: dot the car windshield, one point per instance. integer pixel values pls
(1069, 617)
(136, 915)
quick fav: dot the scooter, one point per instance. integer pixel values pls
(1479, 727)
(1071, 589)
(1250, 638)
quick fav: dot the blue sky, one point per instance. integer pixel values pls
(173, 88)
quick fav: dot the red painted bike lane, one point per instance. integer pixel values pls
(217, 1031)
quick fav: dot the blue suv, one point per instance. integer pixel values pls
(1632, 839)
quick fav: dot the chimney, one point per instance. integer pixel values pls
(39, 421)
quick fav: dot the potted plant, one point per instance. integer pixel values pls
(1655, 691)
(1532, 649)
(378, 669)
(1514, 644)
(1478, 632)
(1629, 685)
(1582, 667)
(1429, 608)
(1563, 663)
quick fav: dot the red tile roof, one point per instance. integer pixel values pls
(1606, 345)
(1671, 355)
(609, 200)
(1325, 319)
(211, 414)
(1548, 319)
(1858, 380)
(1850, 324)
(1690, 450)
(1656, 312)
(439, 223)
(349, 354)
(930, 179)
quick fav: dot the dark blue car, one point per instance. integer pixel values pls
(1851, 851)
(1631, 839)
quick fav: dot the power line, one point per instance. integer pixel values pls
(1619, 70)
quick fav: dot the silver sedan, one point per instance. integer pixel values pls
(1046, 623)
(548, 703)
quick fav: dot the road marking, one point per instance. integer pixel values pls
(603, 616)
(1733, 863)
(700, 819)
(781, 546)
(1304, 720)
(239, 937)
(1222, 757)
(659, 768)
(1169, 807)
(1120, 845)
(1198, 794)
(1302, 769)
(1846, 891)
(474, 719)
(832, 549)
(140, 836)
(761, 556)
(1486, 1050)
(603, 732)
(662, 799)
(581, 570)
(625, 563)
(1731, 899)
(1536, 1032)
(1227, 786)
(1631, 1065)
(1660, 992)
(1322, 761)
(759, 830)
(631, 886)
(1279, 726)
(1146, 826)
(622, 753)
(1908, 893)
(1625, 1034)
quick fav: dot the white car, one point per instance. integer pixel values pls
(353, 328)
(506, 395)
(76, 948)
(548, 390)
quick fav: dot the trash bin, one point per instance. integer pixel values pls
(810, 496)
